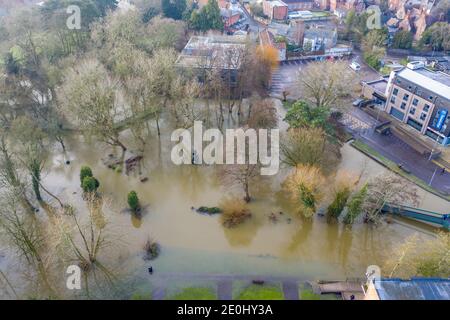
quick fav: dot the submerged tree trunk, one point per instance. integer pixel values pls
(35, 170)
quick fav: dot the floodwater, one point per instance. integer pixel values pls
(197, 244)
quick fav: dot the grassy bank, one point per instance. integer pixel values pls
(391, 165)
(256, 292)
(194, 293)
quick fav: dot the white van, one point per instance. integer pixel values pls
(355, 66)
(413, 65)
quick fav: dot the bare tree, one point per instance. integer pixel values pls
(387, 189)
(241, 175)
(89, 96)
(25, 234)
(326, 83)
(303, 146)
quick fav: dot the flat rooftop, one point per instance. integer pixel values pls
(437, 82)
(414, 289)
(379, 85)
(222, 52)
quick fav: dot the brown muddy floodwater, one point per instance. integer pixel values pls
(192, 243)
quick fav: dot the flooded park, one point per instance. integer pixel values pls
(275, 242)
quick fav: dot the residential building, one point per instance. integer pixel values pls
(229, 17)
(213, 52)
(413, 289)
(421, 99)
(299, 5)
(357, 5)
(275, 10)
(322, 4)
(266, 38)
(319, 38)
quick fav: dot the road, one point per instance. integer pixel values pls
(362, 126)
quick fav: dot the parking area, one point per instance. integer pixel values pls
(285, 78)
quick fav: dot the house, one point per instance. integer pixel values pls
(266, 38)
(357, 5)
(230, 17)
(275, 10)
(299, 5)
(319, 38)
(217, 52)
(413, 289)
(322, 4)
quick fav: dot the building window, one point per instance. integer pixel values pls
(426, 108)
(403, 106)
(392, 99)
(423, 116)
(412, 110)
(431, 97)
(395, 91)
(406, 97)
(415, 102)
(413, 123)
(397, 114)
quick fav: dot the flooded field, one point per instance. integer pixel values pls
(195, 244)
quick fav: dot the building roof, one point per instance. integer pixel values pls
(297, 1)
(414, 289)
(437, 82)
(277, 3)
(223, 52)
(228, 13)
(322, 33)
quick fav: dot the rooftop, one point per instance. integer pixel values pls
(222, 52)
(277, 3)
(379, 85)
(414, 289)
(437, 82)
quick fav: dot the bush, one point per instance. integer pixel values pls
(355, 205)
(337, 206)
(151, 249)
(90, 184)
(85, 172)
(133, 201)
(235, 212)
(209, 210)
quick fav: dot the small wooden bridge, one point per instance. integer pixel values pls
(442, 220)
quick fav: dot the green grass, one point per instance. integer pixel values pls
(141, 296)
(256, 292)
(308, 294)
(195, 293)
(391, 165)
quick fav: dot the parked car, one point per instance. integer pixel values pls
(357, 102)
(361, 103)
(355, 66)
(413, 65)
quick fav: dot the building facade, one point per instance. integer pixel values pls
(299, 5)
(421, 99)
(275, 10)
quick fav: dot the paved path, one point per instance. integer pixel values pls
(290, 290)
(224, 289)
(159, 293)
